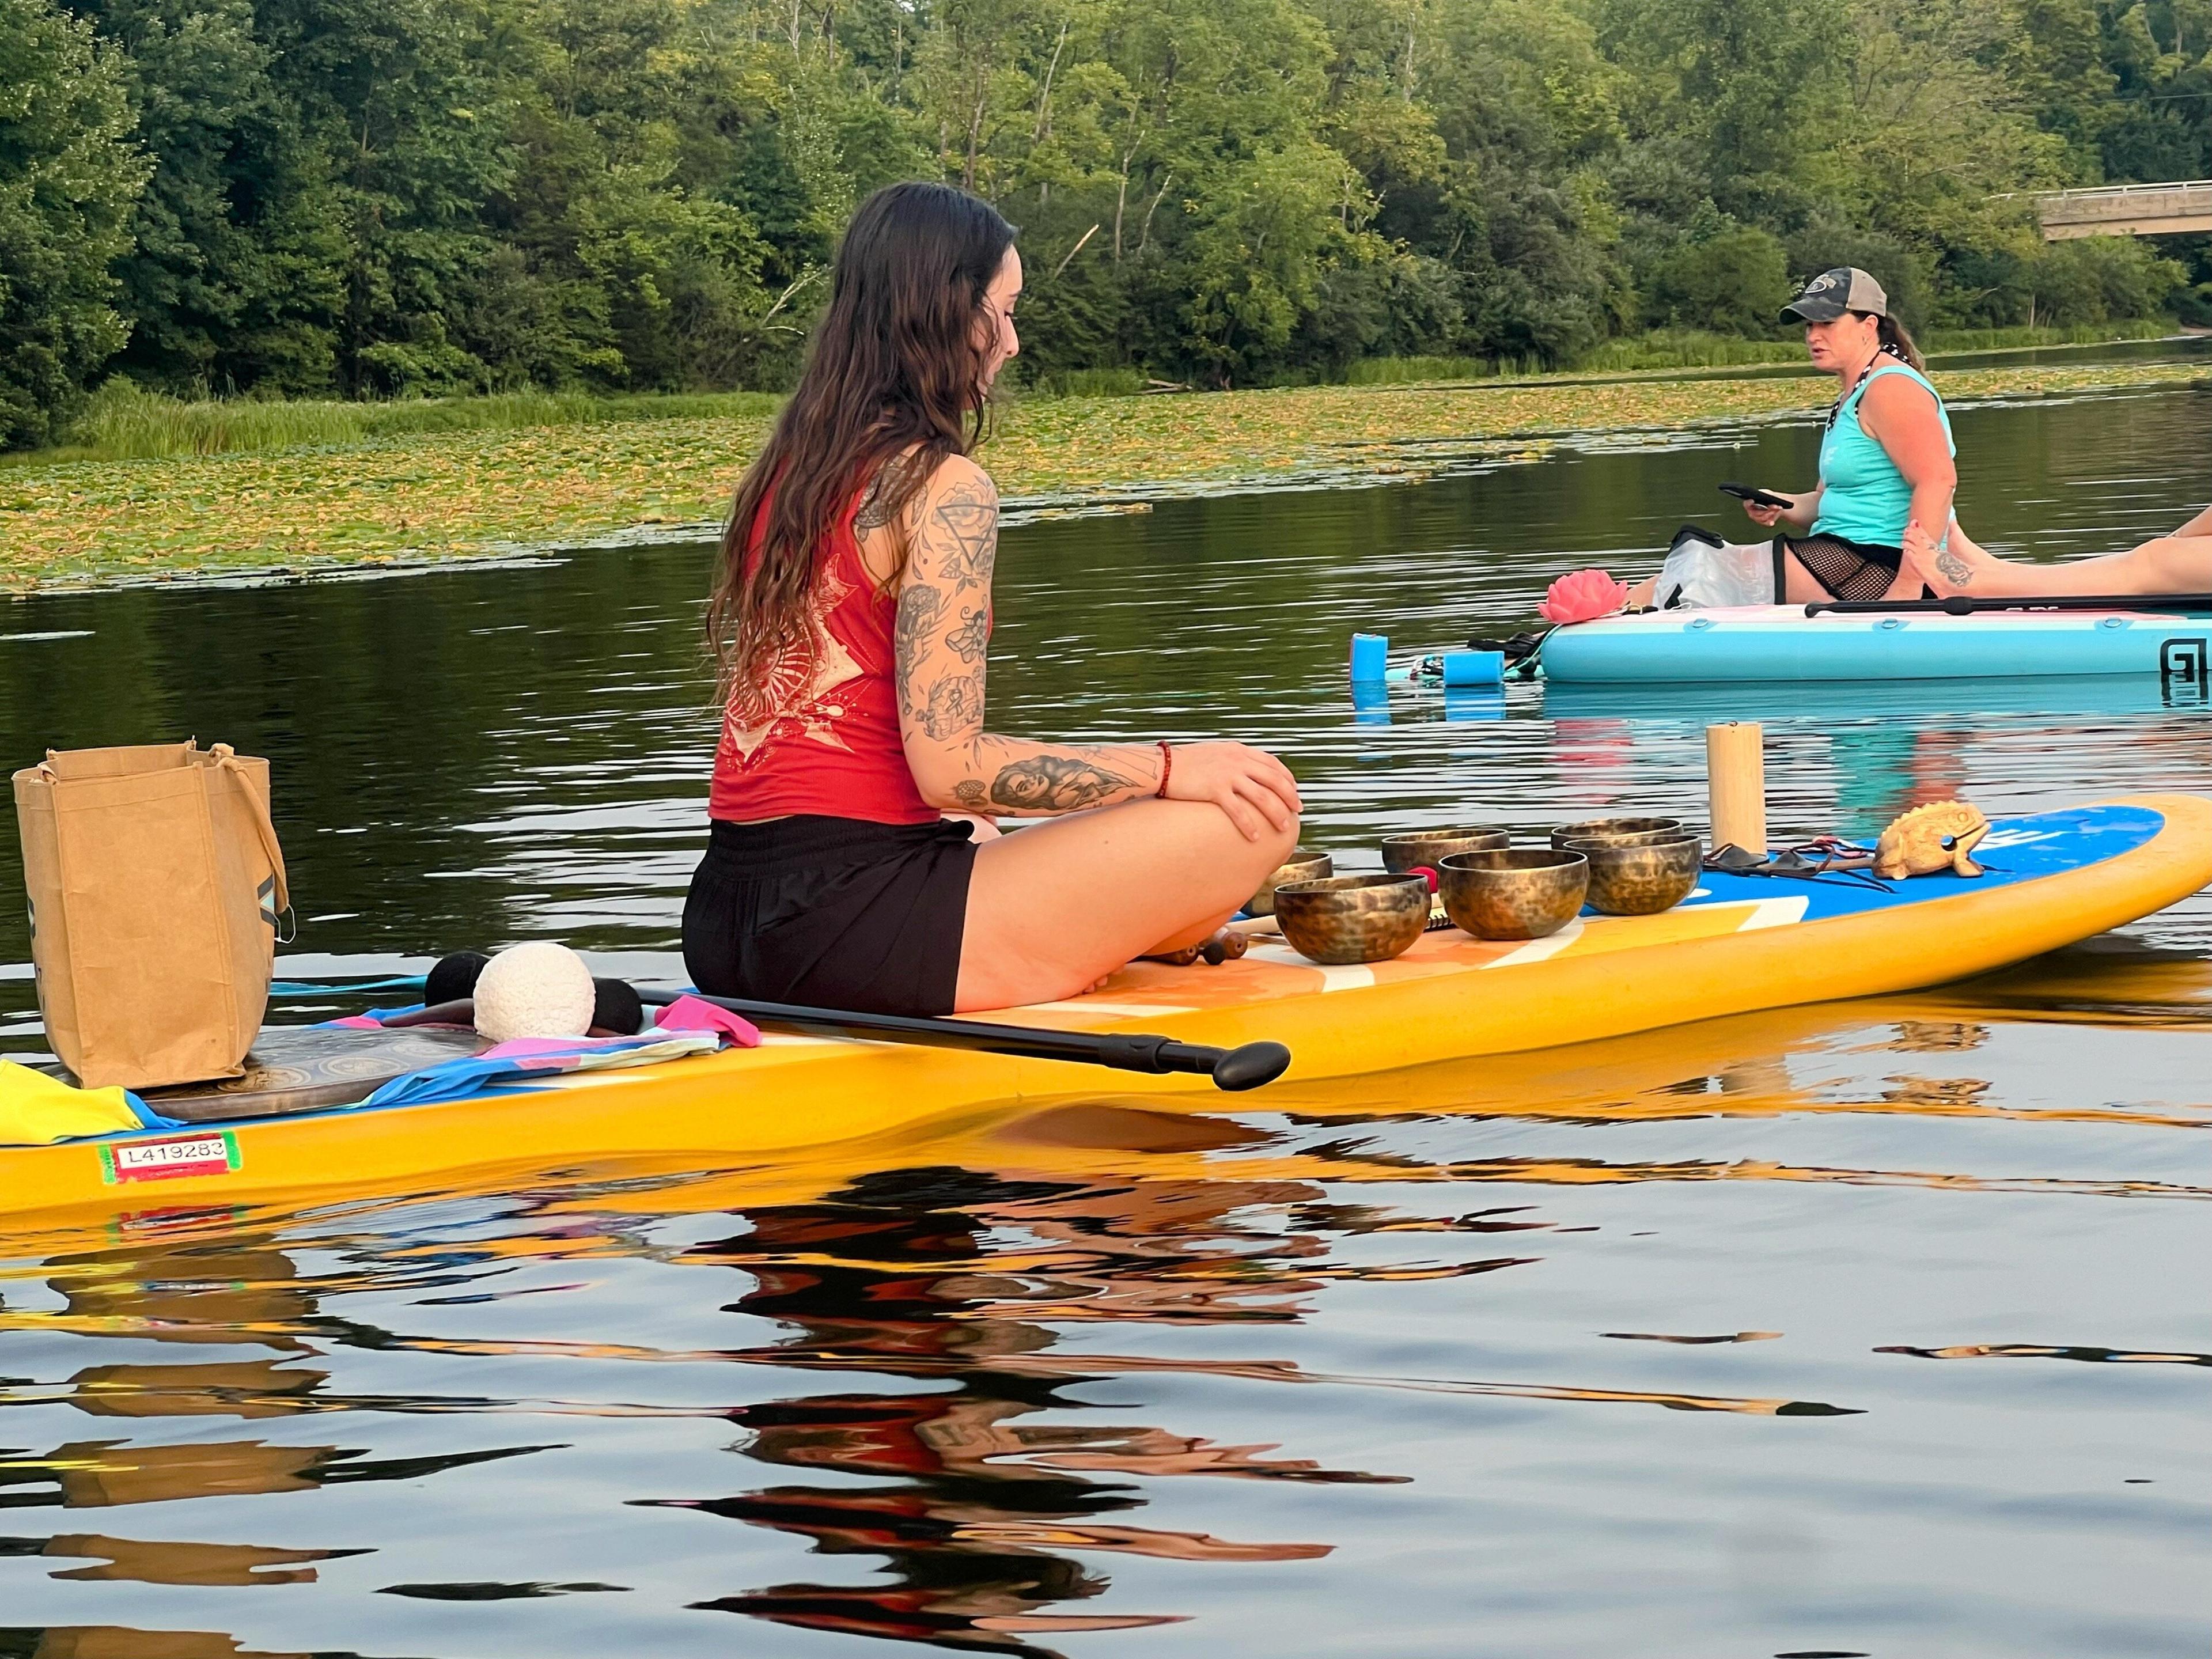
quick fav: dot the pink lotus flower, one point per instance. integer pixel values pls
(1583, 596)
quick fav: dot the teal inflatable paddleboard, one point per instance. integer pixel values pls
(1780, 642)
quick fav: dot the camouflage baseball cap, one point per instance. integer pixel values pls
(1833, 293)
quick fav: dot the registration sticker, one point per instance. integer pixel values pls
(169, 1157)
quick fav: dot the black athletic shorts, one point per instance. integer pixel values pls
(1848, 569)
(833, 912)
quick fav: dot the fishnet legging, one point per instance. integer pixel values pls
(1845, 572)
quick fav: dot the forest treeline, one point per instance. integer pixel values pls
(397, 197)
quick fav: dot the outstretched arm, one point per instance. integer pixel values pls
(943, 637)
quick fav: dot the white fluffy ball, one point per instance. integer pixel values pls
(536, 990)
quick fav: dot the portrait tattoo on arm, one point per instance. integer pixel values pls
(1054, 783)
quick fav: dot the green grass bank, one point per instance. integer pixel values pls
(312, 484)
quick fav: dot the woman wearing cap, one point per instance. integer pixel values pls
(2180, 563)
(1885, 460)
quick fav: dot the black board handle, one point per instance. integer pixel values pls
(1958, 605)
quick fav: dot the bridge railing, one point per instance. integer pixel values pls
(2126, 210)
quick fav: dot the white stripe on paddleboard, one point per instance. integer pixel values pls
(1538, 950)
(1775, 912)
(1354, 978)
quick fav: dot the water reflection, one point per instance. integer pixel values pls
(974, 1493)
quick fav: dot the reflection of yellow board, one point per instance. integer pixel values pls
(1449, 997)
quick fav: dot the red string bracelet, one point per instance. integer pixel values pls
(1167, 768)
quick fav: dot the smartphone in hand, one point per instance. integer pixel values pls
(1755, 496)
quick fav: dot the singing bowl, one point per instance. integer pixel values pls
(1341, 919)
(1414, 848)
(1618, 832)
(1513, 892)
(1644, 879)
(1302, 864)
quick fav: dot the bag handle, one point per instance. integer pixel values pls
(225, 757)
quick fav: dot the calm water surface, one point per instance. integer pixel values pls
(1874, 1328)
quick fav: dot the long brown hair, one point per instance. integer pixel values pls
(895, 368)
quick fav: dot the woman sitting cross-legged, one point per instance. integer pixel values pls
(851, 618)
(2180, 563)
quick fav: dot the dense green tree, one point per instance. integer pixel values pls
(233, 280)
(1735, 282)
(68, 178)
(392, 197)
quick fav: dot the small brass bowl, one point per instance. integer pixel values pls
(1302, 864)
(1513, 892)
(1642, 880)
(1341, 919)
(1618, 832)
(1417, 847)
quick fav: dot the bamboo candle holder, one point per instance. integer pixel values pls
(1736, 773)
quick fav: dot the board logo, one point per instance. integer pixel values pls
(169, 1157)
(2181, 672)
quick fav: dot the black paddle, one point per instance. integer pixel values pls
(1233, 1069)
(1960, 605)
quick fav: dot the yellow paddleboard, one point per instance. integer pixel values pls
(1738, 944)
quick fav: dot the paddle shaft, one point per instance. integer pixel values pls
(1234, 1069)
(1960, 605)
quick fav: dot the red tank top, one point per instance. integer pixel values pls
(819, 733)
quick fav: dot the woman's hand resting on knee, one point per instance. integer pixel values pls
(1251, 785)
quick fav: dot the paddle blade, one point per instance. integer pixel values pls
(1250, 1067)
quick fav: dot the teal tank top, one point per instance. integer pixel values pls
(1864, 498)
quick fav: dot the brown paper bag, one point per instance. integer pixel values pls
(156, 884)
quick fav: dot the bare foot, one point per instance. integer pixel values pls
(1954, 565)
(1641, 596)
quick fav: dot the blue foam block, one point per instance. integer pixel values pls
(1474, 668)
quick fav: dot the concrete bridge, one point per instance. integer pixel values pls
(2126, 210)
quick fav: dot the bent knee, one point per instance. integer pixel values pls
(1277, 845)
(1233, 846)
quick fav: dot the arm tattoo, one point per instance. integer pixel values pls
(970, 792)
(1054, 783)
(921, 609)
(973, 637)
(966, 533)
(955, 706)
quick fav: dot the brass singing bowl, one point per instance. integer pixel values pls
(1416, 848)
(1643, 880)
(1341, 919)
(1513, 892)
(1302, 864)
(1618, 832)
